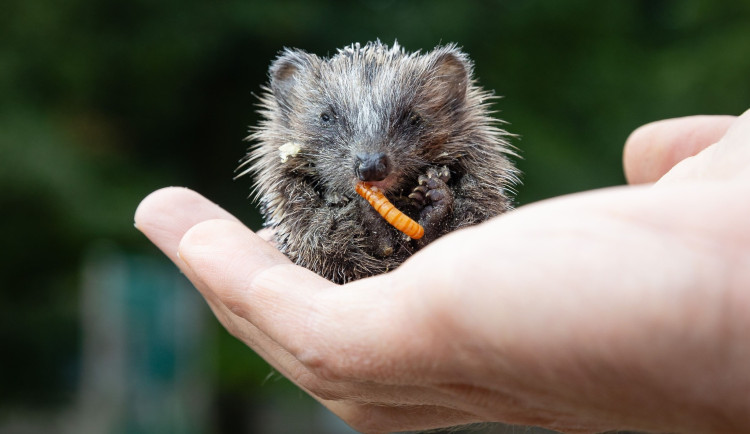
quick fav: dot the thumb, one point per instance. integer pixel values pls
(653, 149)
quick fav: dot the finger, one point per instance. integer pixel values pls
(258, 283)
(228, 257)
(165, 215)
(727, 159)
(653, 149)
(276, 307)
(329, 329)
(732, 152)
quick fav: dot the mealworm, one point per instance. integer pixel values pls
(390, 213)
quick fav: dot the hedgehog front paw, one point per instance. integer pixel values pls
(430, 181)
(434, 196)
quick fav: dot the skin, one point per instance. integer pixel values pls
(620, 308)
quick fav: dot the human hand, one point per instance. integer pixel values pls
(612, 309)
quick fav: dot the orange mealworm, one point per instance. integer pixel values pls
(390, 213)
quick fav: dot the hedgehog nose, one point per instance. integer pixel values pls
(372, 167)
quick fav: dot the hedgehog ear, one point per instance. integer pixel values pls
(449, 78)
(284, 73)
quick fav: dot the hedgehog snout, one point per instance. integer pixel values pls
(372, 167)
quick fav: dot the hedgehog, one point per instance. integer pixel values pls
(414, 126)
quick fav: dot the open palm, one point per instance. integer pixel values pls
(625, 307)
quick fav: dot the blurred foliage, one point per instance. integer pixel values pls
(103, 102)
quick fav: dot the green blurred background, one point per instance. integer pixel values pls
(104, 102)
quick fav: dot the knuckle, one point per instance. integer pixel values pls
(324, 364)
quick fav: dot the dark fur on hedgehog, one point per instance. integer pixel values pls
(415, 125)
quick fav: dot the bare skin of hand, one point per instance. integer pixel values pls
(620, 308)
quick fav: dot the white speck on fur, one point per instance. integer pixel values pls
(289, 149)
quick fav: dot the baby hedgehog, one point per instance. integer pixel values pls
(414, 126)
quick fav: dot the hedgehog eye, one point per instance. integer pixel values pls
(326, 118)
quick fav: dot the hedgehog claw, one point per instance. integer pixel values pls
(444, 174)
(417, 197)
